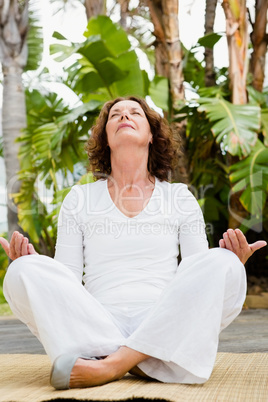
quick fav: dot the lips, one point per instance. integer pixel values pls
(124, 125)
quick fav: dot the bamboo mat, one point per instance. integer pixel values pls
(236, 377)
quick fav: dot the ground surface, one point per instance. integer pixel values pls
(247, 334)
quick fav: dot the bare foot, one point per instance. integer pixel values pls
(89, 373)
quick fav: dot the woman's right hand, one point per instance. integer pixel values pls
(18, 246)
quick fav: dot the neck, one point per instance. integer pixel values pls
(129, 167)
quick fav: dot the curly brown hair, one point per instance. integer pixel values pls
(162, 152)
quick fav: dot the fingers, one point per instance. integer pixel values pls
(5, 244)
(241, 239)
(257, 245)
(31, 249)
(235, 241)
(19, 246)
(222, 243)
(15, 245)
(24, 246)
(230, 240)
(12, 246)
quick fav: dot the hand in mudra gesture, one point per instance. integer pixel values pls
(18, 246)
(235, 241)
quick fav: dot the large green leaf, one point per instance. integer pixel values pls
(81, 110)
(54, 142)
(88, 82)
(112, 34)
(256, 97)
(47, 139)
(234, 126)
(110, 72)
(106, 66)
(133, 83)
(193, 69)
(95, 50)
(209, 40)
(159, 92)
(251, 177)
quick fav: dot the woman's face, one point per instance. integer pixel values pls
(127, 125)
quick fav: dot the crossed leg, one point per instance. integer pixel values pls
(177, 342)
(88, 373)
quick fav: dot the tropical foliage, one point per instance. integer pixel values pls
(216, 130)
(3, 265)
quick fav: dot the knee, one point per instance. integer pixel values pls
(18, 270)
(227, 261)
(225, 257)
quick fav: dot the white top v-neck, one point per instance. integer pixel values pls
(128, 260)
(142, 211)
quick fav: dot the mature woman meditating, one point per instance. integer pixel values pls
(137, 309)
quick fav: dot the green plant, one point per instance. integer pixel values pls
(3, 268)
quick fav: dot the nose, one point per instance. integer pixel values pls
(124, 115)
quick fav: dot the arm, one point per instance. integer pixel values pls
(235, 241)
(192, 230)
(69, 245)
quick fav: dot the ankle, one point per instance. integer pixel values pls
(123, 360)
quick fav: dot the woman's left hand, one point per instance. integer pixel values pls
(235, 241)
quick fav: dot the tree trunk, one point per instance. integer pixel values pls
(13, 121)
(237, 39)
(164, 14)
(13, 55)
(94, 8)
(259, 39)
(168, 56)
(161, 55)
(123, 13)
(210, 77)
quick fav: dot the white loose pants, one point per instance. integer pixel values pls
(180, 332)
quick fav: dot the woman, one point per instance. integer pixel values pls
(137, 310)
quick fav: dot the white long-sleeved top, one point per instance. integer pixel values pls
(128, 261)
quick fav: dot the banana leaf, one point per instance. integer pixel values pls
(112, 34)
(234, 126)
(264, 123)
(159, 92)
(250, 176)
